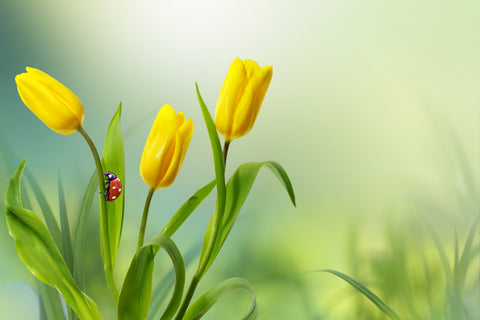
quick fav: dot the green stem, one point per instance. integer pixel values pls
(217, 218)
(141, 233)
(107, 258)
(225, 151)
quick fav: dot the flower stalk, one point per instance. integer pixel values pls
(143, 225)
(107, 259)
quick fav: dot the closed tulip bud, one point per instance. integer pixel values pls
(240, 98)
(52, 102)
(165, 148)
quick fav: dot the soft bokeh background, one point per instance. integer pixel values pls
(373, 110)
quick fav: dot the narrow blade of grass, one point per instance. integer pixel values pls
(66, 235)
(187, 208)
(441, 253)
(80, 232)
(366, 292)
(461, 272)
(198, 309)
(47, 212)
(212, 231)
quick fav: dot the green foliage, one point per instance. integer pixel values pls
(36, 248)
(113, 160)
(198, 309)
(50, 302)
(137, 288)
(80, 233)
(367, 293)
(187, 208)
(237, 190)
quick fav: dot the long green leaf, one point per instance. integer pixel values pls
(366, 292)
(186, 209)
(212, 232)
(66, 235)
(113, 160)
(238, 188)
(80, 232)
(209, 298)
(47, 212)
(137, 287)
(441, 253)
(36, 248)
(163, 286)
(461, 272)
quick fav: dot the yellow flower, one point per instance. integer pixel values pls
(240, 98)
(52, 102)
(165, 148)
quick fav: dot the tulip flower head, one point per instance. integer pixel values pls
(52, 102)
(241, 97)
(165, 148)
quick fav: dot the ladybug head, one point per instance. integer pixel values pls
(109, 175)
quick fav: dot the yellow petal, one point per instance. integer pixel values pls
(230, 94)
(159, 164)
(52, 102)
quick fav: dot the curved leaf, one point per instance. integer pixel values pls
(163, 286)
(367, 293)
(137, 287)
(36, 248)
(237, 190)
(113, 159)
(212, 232)
(209, 298)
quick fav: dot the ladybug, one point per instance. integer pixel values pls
(113, 186)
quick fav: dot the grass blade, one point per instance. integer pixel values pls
(66, 236)
(460, 273)
(366, 292)
(113, 159)
(198, 309)
(47, 212)
(186, 209)
(80, 232)
(212, 231)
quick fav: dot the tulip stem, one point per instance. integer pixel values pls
(225, 151)
(203, 266)
(107, 258)
(141, 233)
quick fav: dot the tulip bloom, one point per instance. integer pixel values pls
(52, 102)
(240, 98)
(165, 148)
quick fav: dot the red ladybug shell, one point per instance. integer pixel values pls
(113, 186)
(114, 189)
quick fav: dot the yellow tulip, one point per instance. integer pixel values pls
(52, 102)
(165, 148)
(240, 98)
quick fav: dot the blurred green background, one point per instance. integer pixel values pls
(373, 110)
